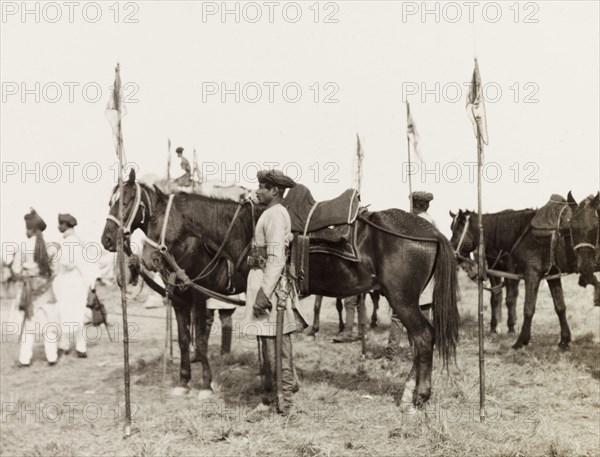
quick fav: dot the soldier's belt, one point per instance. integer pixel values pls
(256, 263)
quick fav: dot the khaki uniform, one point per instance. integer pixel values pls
(273, 232)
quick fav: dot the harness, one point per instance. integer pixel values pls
(137, 204)
(501, 253)
(178, 273)
(586, 244)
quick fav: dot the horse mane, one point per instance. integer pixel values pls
(213, 214)
(502, 229)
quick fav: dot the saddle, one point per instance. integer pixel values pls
(307, 215)
(548, 217)
(326, 227)
(546, 226)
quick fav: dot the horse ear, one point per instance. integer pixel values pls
(595, 202)
(452, 215)
(571, 200)
(132, 176)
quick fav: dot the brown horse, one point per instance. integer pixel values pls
(510, 231)
(399, 253)
(585, 237)
(496, 259)
(140, 206)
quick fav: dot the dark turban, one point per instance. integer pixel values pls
(421, 196)
(67, 219)
(275, 178)
(33, 221)
(179, 150)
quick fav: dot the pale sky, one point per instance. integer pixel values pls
(543, 126)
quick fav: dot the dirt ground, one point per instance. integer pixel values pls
(540, 401)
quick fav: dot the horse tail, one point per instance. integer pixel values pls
(446, 319)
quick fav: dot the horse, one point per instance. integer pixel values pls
(339, 306)
(140, 203)
(585, 236)
(510, 231)
(398, 254)
(495, 259)
(6, 280)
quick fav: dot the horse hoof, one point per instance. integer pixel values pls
(564, 345)
(517, 345)
(205, 394)
(180, 391)
(312, 331)
(511, 330)
(195, 359)
(373, 324)
(407, 409)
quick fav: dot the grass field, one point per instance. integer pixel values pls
(541, 401)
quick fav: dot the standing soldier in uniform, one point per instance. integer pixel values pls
(266, 287)
(75, 276)
(185, 180)
(31, 267)
(420, 205)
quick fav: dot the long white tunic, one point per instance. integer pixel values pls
(75, 275)
(273, 230)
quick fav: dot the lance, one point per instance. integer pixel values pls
(361, 298)
(121, 253)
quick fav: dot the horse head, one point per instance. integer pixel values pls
(584, 226)
(464, 236)
(137, 210)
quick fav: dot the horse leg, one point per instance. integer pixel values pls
(315, 327)
(226, 316)
(596, 284)
(205, 389)
(420, 331)
(496, 303)
(512, 292)
(555, 286)
(532, 285)
(182, 314)
(375, 298)
(198, 332)
(339, 305)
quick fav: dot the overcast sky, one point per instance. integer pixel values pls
(353, 61)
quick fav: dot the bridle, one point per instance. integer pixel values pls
(160, 245)
(585, 244)
(462, 238)
(179, 273)
(138, 204)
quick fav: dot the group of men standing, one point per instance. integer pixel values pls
(54, 280)
(65, 273)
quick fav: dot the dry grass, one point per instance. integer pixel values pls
(541, 401)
